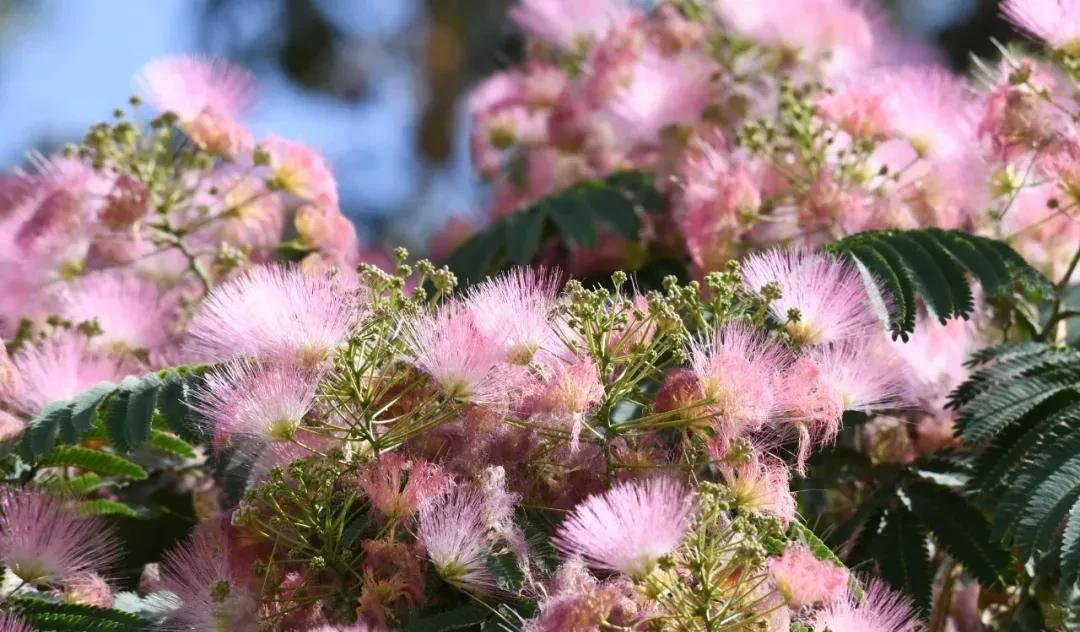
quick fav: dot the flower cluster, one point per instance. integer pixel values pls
(109, 244)
(380, 450)
(780, 122)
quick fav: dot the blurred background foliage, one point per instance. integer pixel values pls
(376, 85)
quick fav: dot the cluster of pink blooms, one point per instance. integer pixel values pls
(104, 253)
(490, 401)
(398, 447)
(780, 122)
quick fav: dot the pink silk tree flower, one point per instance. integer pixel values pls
(208, 96)
(62, 367)
(514, 311)
(41, 543)
(866, 375)
(760, 483)
(89, 589)
(805, 580)
(10, 426)
(325, 229)
(208, 593)
(452, 531)
(856, 109)
(628, 528)
(812, 405)
(251, 215)
(266, 402)
(273, 312)
(880, 610)
(840, 33)
(718, 200)
(1056, 22)
(11, 623)
(830, 296)
(660, 92)
(932, 109)
(300, 170)
(568, 23)
(738, 371)
(467, 365)
(397, 486)
(132, 313)
(10, 381)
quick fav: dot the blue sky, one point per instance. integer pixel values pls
(67, 63)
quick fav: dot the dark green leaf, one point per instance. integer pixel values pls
(116, 412)
(460, 618)
(522, 234)
(93, 461)
(103, 507)
(85, 405)
(902, 555)
(507, 571)
(1070, 546)
(960, 528)
(141, 402)
(40, 434)
(171, 443)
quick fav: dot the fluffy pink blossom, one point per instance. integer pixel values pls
(251, 215)
(719, 198)
(131, 312)
(300, 170)
(805, 580)
(41, 543)
(830, 296)
(564, 397)
(455, 538)
(839, 33)
(513, 311)
(126, 203)
(328, 231)
(577, 602)
(738, 371)
(880, 610)
(450, 347)
(208, 95)
(866, 375)
(89, 589)
(814, 406)
(10, 426)
(209, 595)
(934, 359)
(62, 367)
(397, 486)
(1056, 22)
(856, 110)
(273, 312)
(1037, 224)
(932, 109)
(760, 483)
(267, 401)
(11, 623)
(628, 528)
(10, 381)
(567, 23)
(660, 92)
(571, 387)
(1021, 116)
